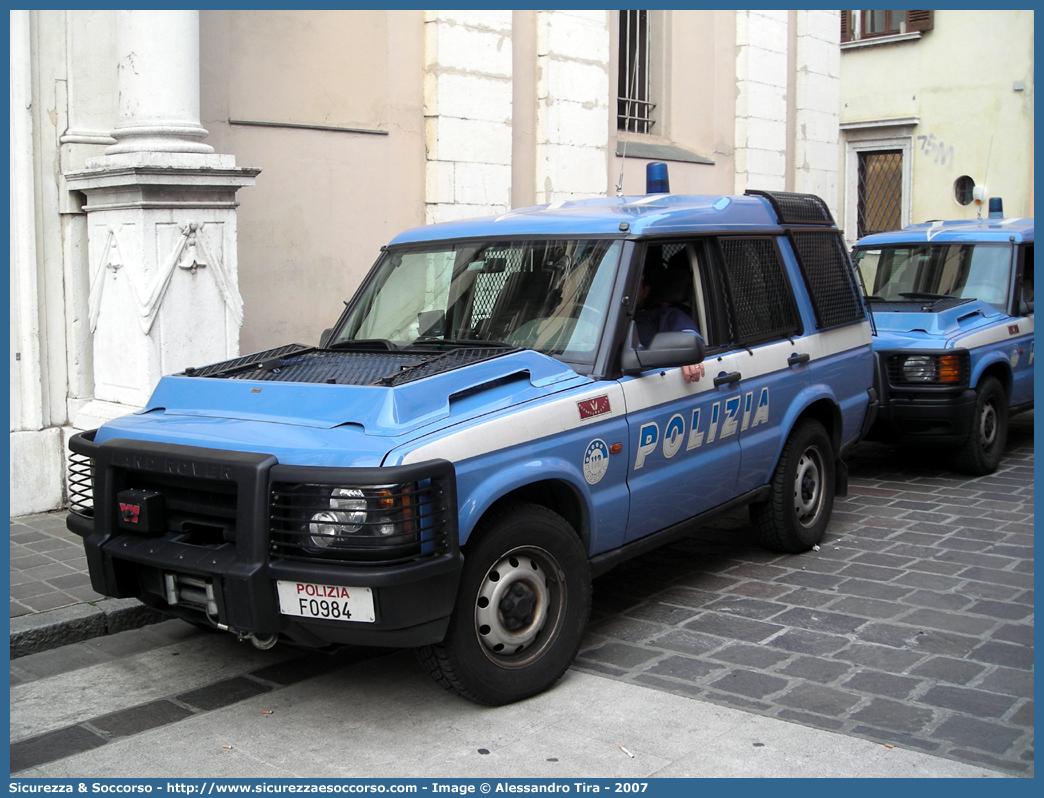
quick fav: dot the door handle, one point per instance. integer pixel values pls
(796, 359)
(726, 379)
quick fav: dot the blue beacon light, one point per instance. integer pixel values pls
(996, 208)
(656, 179)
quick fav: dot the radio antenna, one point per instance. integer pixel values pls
(629, 101)
(989, 152)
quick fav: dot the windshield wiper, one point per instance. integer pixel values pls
(918, 295)
(436, 341)
(364, 343)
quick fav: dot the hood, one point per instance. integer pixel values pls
(920, 324)
(320, 388)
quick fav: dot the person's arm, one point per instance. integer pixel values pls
(675, 320)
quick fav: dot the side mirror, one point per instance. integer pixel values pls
(666, 350)
(324, 339)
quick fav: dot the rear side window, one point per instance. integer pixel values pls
(829, 275)
(761, 301)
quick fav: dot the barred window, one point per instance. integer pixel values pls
(634, 106)
(880, 198)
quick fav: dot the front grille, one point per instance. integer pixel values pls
(361, 524)
(198, 512)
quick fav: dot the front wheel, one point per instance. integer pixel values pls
(521, 611)
(982, 453)
(795, 516)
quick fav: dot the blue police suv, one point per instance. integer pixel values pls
(953, 306)
(484, 430)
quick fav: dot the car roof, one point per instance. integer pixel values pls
(966, 231)
(651, 214)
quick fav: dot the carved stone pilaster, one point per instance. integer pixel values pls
(163, 269)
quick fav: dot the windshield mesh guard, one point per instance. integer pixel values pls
(304, 364)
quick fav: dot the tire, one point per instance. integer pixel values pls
(521, 611)
(795, 516)
(985, 447)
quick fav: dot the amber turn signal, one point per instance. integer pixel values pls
(949, 368)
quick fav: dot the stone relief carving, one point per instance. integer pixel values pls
(189, 253)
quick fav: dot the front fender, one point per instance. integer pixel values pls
(480, 484)
(988, 360)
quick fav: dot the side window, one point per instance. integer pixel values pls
(829, 277)
(761, 300)
(676, 282)
(1026, 300)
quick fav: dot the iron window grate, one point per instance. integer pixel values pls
(633, 105)
(880, 192)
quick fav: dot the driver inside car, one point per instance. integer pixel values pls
(657, 313)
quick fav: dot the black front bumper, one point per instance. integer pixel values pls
(928, 415)
(413, 599)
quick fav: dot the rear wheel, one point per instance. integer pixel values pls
(522, 607)
(795, 516)
(985, 447)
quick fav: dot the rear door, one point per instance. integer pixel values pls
(771, 363)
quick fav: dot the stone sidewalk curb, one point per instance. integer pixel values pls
(46, 630)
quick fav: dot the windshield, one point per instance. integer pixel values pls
(547, 295)
(914, 272)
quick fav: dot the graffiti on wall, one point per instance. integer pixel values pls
(940, 152)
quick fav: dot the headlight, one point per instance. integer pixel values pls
(340, 517)
(932, 369)
(920, 368)
(347, 514)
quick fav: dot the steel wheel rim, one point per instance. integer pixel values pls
(510, 635)
(808, 487)
(988, 426)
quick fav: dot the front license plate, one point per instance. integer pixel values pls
(329, 602)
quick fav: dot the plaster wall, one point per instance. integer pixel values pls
(327, 200)
(958, 81)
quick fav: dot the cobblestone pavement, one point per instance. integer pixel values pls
(912, 625)
(48, 565)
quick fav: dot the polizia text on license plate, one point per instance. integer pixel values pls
(329, 602)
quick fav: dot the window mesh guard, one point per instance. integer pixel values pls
(761, 299)
(829, 276)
